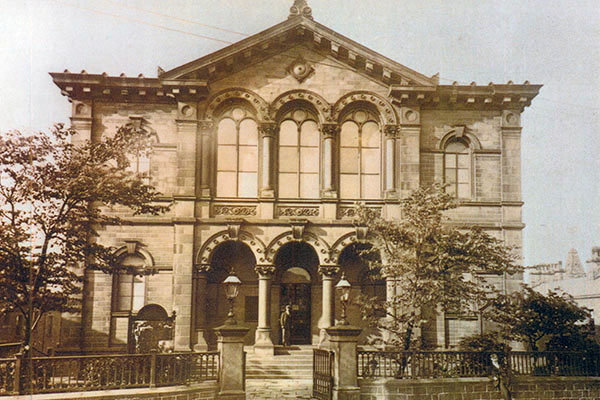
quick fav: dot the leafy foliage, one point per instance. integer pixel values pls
(53, 198)
(532, 317)
(434, 264)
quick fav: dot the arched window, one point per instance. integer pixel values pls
(237, 154)
(360, 156)
(299, 140)
(457, 168)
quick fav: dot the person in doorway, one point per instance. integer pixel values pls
(285, 321)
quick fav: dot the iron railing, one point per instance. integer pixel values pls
(464, 364)
(99, 372)
(323, 374)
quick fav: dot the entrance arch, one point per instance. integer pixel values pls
(297, 263)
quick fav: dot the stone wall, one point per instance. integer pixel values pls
(523, 388)
(202, 391)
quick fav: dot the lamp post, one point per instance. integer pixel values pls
(343, 288)
(232, 287)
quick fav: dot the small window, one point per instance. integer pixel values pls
(457, 168)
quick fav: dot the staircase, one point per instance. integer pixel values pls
(286, 375)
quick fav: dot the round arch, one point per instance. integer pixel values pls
(348, 239)
(319, 245)
(321, 107)
(123, 251)
(253, 99)
(384, 107)
(453, 133)
(204, 256)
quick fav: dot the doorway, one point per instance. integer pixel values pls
(295, 291)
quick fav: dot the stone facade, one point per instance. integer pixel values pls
(263, 148)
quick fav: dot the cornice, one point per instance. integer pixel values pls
(82, 86)
(491, 96)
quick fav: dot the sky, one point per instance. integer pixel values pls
(552, 42)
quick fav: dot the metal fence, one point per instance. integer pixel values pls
(463, 364)
(323, 374)
(99, 372)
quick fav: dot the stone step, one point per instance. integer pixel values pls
(279, 389)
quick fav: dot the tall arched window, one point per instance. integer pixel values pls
(360, 156)
(237, 154)
(299, 155)
(457, 168)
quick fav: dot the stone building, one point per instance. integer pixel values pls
(264, 147)
(581, 283)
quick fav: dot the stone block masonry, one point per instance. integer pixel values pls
(523, 388)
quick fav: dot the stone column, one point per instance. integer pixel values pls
(390, 160)
(328, 272)
(344, 339)
(263, 343)
(267, 134)
(330, 132)
(231, 383)
(200, 291)
(390, 294)
(205, 129)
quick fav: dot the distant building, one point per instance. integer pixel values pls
(582, 284)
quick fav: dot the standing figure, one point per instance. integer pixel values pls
(285, 321)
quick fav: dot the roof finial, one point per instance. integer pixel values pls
(300, 9)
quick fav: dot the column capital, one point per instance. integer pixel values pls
(331, 130)
(391, 131)
(329, 270)
(266, 271)
(268, 129)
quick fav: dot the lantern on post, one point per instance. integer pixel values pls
(232, 288)
(343, 287)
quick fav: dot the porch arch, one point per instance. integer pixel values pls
(320, 246)
(204, 256)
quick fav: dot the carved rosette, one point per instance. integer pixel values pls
(391, 131)
(268, 129)
(265, 271)
(331, 130)
(298, 211)
(329, 271)
(220, 210)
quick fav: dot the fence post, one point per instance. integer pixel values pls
(153, 370)
(343, 339)
(232, 385)
(17, 374)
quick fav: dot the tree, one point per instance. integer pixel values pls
(435, 266)
(53, 197)
(530, 317)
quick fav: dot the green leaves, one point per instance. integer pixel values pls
(52, 199)
(435, 266)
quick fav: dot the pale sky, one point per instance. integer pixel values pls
(552, 42)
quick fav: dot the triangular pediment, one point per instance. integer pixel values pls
(289, 34)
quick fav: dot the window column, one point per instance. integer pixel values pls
(390, 160)
(330, 132)
(263, 342)
(267, 133)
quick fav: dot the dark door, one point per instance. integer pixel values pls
(297, 295)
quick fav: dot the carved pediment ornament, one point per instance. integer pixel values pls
(300, 8)
(300, 69)
(329, 270)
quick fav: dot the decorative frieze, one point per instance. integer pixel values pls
(298, 211)
(227, 210)
(350, 212)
